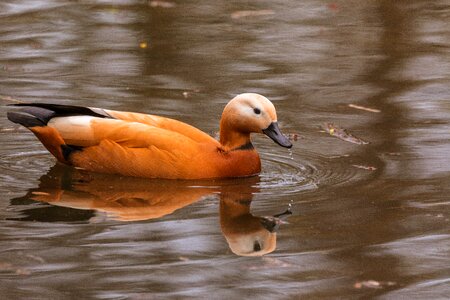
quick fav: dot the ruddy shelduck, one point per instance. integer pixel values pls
(142, 145)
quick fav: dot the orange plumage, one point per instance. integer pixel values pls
(141, 145)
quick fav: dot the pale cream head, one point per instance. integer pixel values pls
(249, 112)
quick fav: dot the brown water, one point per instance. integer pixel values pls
(368, 220)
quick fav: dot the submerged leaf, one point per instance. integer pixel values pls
(342, 134)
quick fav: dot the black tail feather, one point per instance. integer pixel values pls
(38, 114)
(30, 116)
(24, 119)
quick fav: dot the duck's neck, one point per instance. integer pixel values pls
(234, 140)
(235, 205)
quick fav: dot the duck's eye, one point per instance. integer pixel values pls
(257, 111)
(257, 246)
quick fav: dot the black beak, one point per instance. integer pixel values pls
(273, 131)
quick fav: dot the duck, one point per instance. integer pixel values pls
(150, 146)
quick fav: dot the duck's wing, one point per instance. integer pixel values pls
(87, 131)
(162, 122)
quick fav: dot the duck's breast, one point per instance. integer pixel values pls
(238, 163)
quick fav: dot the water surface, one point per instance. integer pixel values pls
(368, 220)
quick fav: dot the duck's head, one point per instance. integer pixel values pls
(247, 113)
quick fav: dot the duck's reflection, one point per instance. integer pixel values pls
(246, 234)
(135, 199)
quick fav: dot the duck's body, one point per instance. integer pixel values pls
(141, 145)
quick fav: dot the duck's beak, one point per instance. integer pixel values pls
(273, 131)
(270, 224)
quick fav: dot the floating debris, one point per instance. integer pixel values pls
(7, 129)
(333, 6)
(251, 13)
(188, 93)
(373, 284)
(342, 134)
(7, 267)
(10, 99)
(374, 110)
(36, 258)
(162, 4)
(12, 68)
(294, 136)
(338, 156)
(143, 45)
(369, 168)
(394, 153)
(269, 263)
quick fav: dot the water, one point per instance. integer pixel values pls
(368, 220)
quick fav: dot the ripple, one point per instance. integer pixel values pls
(291, 172)
(326, 171)
(282, 174)
(18, 167)
(24, 161)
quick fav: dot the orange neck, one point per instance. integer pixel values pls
(231, 138)
(234, 140)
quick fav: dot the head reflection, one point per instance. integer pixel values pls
(246, 234)
(135, 199)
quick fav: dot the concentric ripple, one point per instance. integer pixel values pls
(282, 173)
(286, 172)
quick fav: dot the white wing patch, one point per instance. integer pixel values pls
(75, 130)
